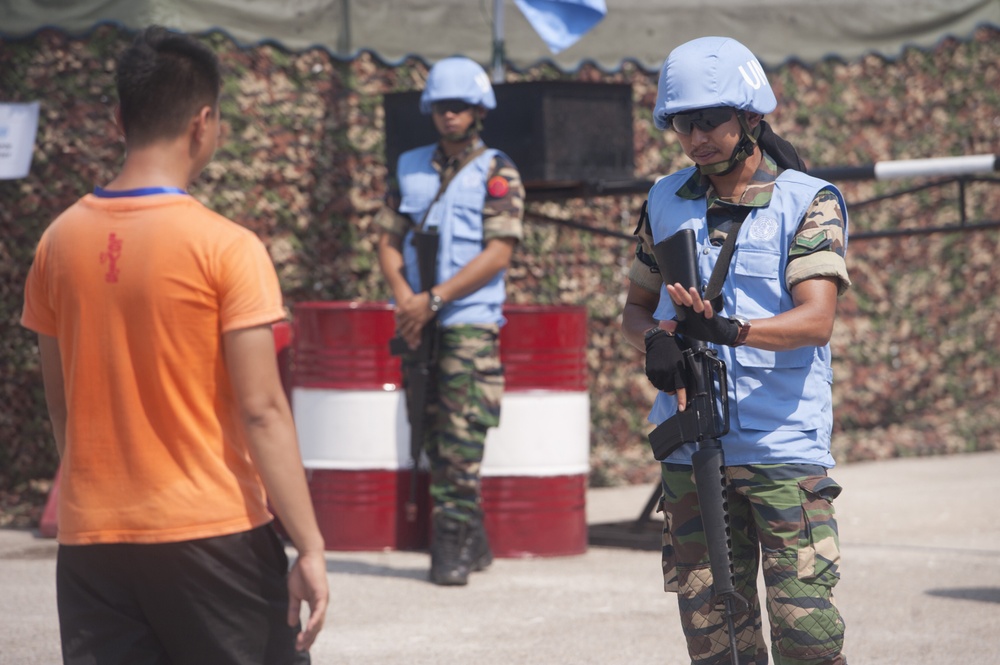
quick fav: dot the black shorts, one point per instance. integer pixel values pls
(212, 601)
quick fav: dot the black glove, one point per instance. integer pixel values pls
(664, 361)
(716, 330)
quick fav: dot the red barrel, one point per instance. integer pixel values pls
(345, 346)
(352, 426)
(536, 464)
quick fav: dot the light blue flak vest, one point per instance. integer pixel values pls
(779, 401)
(458, 216)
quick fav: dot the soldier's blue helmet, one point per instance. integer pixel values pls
(457, 78)
(711, 71)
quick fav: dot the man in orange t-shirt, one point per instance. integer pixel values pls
(154, 322)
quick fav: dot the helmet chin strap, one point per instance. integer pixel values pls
(744, 148)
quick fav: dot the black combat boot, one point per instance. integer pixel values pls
(480, 554)
(449, 551)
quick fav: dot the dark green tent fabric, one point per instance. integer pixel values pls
(643, 31)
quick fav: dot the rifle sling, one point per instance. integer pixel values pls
(713, 291)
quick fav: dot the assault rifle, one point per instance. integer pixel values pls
(704, 421)
(418, 364)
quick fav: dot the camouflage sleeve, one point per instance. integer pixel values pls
(388, 218)
(503, 210)
(644, 271)
(818, 248)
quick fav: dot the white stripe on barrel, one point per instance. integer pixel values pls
(353, 433)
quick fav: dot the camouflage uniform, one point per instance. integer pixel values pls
(464, 402)
(781, 514)
(466, 391)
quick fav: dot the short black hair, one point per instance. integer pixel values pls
(164, 78)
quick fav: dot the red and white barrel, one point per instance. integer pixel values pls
(350, 413)
(353, 432)
(537, 462)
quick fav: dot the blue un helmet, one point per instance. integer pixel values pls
(711, 71)
(457, 78)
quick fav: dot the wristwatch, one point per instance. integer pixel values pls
(436, 302)
(741, 336)
(655, 329)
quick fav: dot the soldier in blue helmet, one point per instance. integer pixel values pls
(472, 198)
(771, 325)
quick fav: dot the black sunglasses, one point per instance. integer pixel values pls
(450, 106)
(704, 119)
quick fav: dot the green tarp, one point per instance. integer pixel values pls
(633, 30)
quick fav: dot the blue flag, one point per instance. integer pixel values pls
(560, 23)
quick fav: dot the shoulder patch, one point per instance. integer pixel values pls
(498, 186)
(813, 243)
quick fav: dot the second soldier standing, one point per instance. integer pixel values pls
(473, 198)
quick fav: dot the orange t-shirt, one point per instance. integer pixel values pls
(138, 291)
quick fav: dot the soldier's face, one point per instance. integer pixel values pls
(708, 146)
(454, 120)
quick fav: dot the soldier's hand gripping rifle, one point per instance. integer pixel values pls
(704, 421)
(418, 364)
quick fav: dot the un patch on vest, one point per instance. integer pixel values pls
(498, 186)
(763, 228)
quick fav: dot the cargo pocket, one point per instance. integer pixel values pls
(806, 625)
(819, 543)
(466, 230)
(483, 407)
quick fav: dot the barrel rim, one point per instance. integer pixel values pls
(339, 305)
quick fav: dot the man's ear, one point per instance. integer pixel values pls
(753, 119)
(201, 121)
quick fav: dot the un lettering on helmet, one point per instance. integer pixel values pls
(711, 71)
(457, 78)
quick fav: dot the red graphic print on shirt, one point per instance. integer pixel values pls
(111, 258)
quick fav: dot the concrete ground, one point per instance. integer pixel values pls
(921, 585)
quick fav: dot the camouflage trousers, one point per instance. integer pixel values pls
(464, 402)
(781, 515)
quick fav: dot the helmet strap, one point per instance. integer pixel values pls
(744, 148)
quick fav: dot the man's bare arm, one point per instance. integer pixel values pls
(267, 418)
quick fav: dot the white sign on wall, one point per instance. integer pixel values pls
(18, 126)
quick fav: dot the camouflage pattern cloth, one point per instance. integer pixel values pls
(464, 402)
(817, 249)
(503, 209)
(783, 515)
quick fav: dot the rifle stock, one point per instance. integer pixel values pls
(418, 364)
(704, 421)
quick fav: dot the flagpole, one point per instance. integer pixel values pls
(498, 48)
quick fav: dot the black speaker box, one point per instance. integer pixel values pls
(555, 131)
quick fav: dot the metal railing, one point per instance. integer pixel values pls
(960, 171)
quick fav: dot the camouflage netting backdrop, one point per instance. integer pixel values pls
(916, 358)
